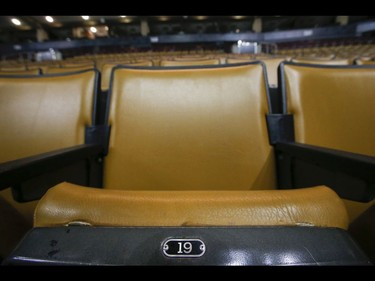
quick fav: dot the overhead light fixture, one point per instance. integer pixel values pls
(85, 17)
(16, 21)
(163, 18)
(93, 29)
(238, 17)
(126, 19)
(122, 16)
(49, 18)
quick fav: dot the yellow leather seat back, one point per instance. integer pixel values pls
(13, 68)
(39, 114)
(107, 68)
(53, 70)
(43, 113)
(332, 106)
(34, 71)
(83, 64)
(272, 65)
(188, 62)
(189, 129)
(322, 61)
(190, 57)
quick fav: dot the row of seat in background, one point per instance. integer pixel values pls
(105, 64)
(218, 131)
(171, 60)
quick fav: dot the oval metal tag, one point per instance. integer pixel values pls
(183, 247)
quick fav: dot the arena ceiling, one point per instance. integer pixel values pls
(22, 28)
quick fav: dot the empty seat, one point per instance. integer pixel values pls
(189, 147)
(189, 128)
(322, 61)
(20, 67)
(34, 71)
(333, 107)
(53, 70)
(107, 68)
(187, 62)
(41, 113)
(73, 63)
(188, 150)
(272, 65)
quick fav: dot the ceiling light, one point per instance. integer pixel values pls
(238, 17)
(122, 16)
(16, 21)
(163, 18)
(85, 17)
(126, 20)
(49, 18)
(93, 29)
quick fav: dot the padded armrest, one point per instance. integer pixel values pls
(340, 162)
(70, 204)
(15, 173)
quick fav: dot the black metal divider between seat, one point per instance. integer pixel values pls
(31, 177)
(300, 165)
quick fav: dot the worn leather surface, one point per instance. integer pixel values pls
(189, 129)
(66, 203)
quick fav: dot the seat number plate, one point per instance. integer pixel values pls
(183, 247)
